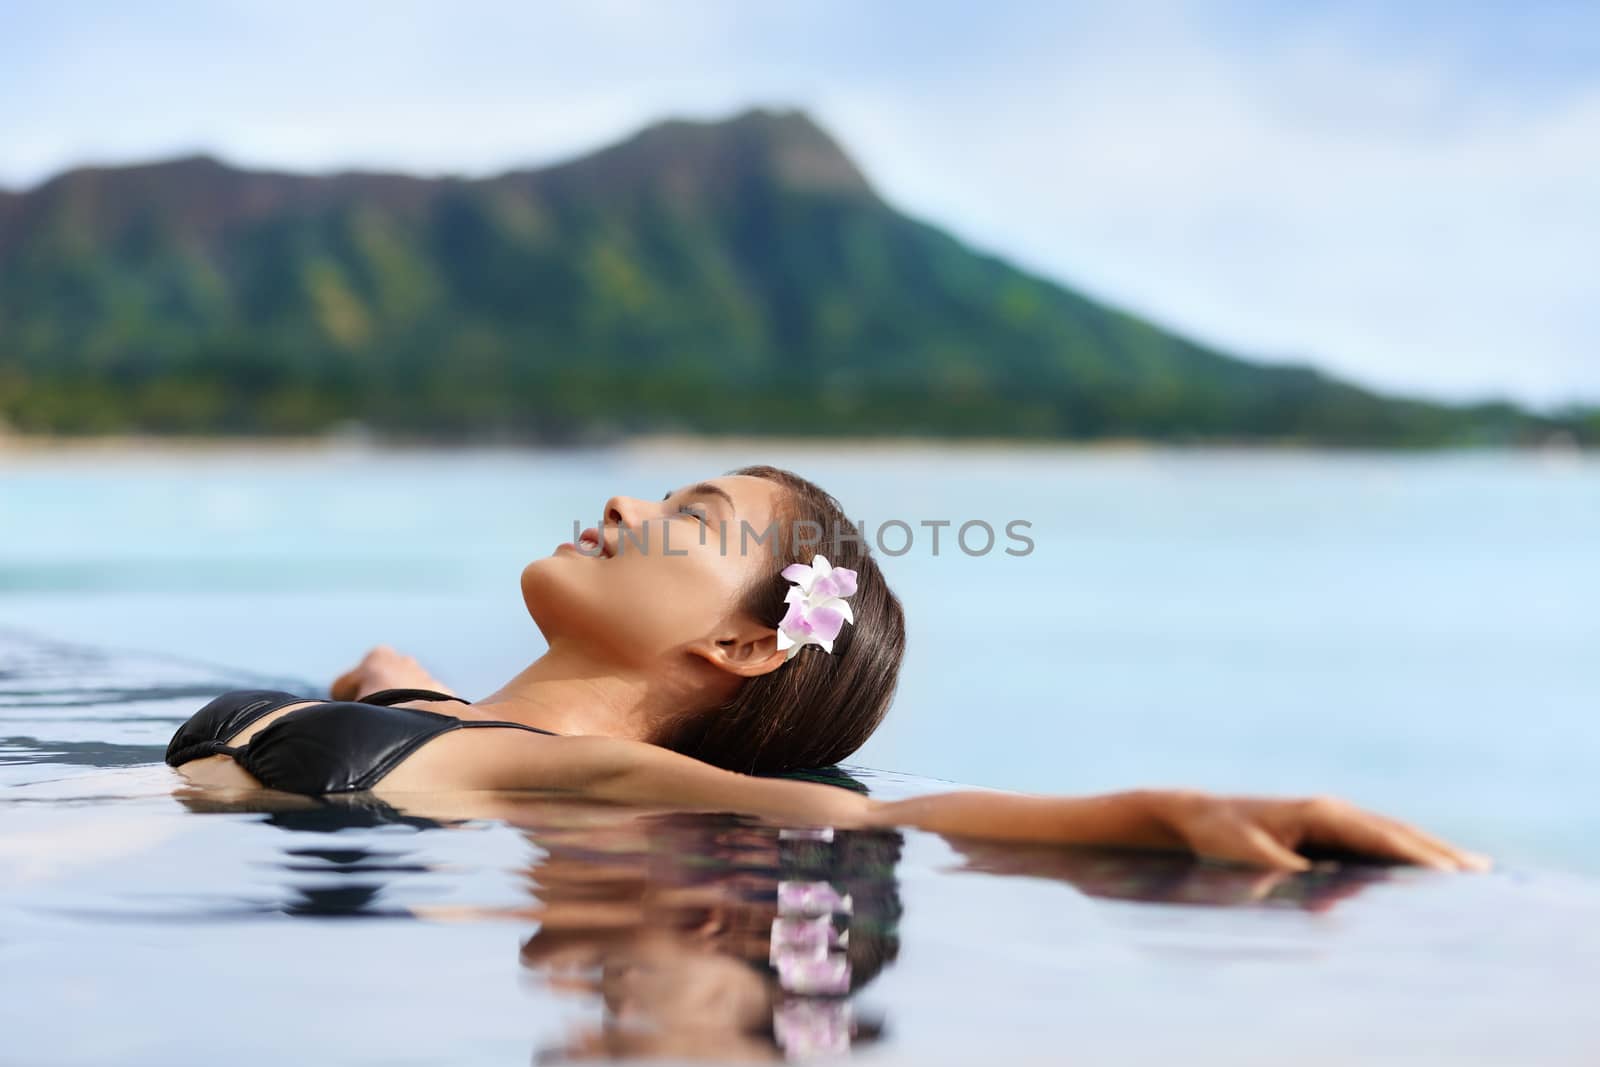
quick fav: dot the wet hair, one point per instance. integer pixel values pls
(817, 708)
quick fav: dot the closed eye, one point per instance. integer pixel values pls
(689, 509)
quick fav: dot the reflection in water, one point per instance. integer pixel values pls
(1173, 878)
(713, 937)
(346, 882)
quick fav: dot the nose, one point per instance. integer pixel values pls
(623, 511)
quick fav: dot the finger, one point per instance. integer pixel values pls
(1468, 859)
(1399, 836)
(1244, 842)
(1272, 852)
(1350, 827)
(345, 686)
(1459, 859)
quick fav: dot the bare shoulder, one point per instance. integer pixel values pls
(509, 758)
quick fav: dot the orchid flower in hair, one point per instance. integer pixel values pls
(818, 609)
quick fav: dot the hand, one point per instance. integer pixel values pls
(1265, 831)
(383, 668)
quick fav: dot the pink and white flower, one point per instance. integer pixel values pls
(817, 606)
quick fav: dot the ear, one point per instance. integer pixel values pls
(747, 650)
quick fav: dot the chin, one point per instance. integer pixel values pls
(558, 596)
(537, 589)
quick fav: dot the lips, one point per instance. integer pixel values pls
(592, 544)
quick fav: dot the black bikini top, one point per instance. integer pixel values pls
(333, 746)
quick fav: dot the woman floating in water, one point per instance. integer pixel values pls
(736, 625)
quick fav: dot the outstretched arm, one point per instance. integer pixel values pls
(1264, 831)
(1255, 830)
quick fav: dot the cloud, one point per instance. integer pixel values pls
(1306, 202)
(1404, 196)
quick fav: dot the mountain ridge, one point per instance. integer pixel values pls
(720, 276)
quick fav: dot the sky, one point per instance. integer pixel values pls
(1404, 194)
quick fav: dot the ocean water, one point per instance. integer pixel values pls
(1414, 632)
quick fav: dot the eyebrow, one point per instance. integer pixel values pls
(707, 489)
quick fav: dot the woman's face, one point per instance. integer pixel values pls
(658, 578)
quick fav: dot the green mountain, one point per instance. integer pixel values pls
(739, 276)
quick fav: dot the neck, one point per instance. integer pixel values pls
(566, 692)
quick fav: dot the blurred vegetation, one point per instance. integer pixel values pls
(733, 277)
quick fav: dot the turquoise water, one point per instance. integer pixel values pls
(142, 927)
(1414, 632)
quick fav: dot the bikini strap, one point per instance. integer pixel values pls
(387, 697)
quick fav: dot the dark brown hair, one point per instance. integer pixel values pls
(818, 708)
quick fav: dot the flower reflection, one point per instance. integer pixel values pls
(715, 937)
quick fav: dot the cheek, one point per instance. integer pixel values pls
(661, 601)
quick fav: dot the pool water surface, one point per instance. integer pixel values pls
(143, 922)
